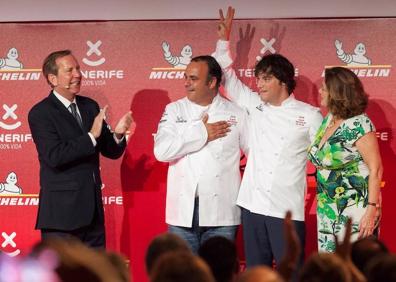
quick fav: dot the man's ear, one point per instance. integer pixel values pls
(212, 83)
(53, 79)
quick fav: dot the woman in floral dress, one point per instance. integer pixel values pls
(346, 154)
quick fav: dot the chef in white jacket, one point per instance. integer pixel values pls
(201, 137)
(281, 130)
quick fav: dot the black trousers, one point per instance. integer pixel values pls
(92, 235)
(264, 239)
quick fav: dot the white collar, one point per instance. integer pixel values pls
(215, 100)
(63, 100)
(284, 103)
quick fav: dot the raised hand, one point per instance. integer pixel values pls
(96, 128)
(343, 250)
(224, 26)
(217, 129)
(123, 125)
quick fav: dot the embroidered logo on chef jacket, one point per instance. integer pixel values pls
(260, 107)
(180, 119)
(300, 121)
(232, 120)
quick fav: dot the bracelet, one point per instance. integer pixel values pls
(373, 204)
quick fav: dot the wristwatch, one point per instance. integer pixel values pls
(374, 204)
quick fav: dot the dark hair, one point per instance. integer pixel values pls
(180, 266)
(76, 261)
(49, 64)
(365, 249)
(382, 268)
(346, 94)
(278, 66)
(162, 244)
(221, 256)
(214, 69)
(324, 267)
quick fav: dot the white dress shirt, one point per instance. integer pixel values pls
(275, 175)
(67, 104)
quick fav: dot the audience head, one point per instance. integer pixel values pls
(180, 266)
(76, 262)
(28, 269)
(365, 249)
(260, 274)
(382, 268)
(162, 244)
(324, 267)
(221, 255)
(120, 264)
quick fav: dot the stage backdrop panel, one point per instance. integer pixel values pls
(124, 66)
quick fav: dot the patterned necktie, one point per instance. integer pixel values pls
(73, 108)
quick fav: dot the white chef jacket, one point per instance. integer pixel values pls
(211, 167)
(275, 175)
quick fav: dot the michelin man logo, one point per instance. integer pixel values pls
(11, 62)
(10, 187)
(9, 240)
(94, 49)
(356, 59)
(177, 61)
(10, 113)
(268, 46)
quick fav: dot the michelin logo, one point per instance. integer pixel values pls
(11, 62)
(11, 68)
(178, 63)
(358, 57)
(10, 187)
(11, 193)
(359, 62)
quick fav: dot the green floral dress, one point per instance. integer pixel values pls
(342, 179)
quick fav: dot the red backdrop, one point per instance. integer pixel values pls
(123, 66)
